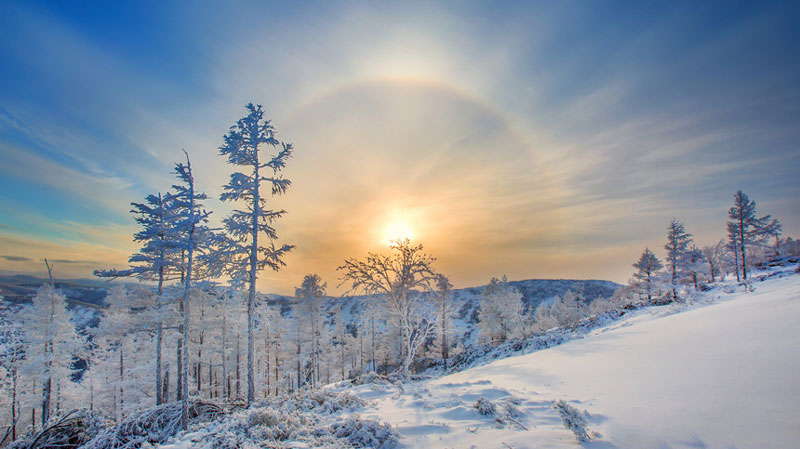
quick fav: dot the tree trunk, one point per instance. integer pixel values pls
(33, 409)
(179, 363)
(121, 380)
(165, 386)
(298, 353)
(266, 368)
(251, 300)
(186, 313)
(159, 333)
(46, 400)
(744, 258)
(238, 369)
(226, 392)
(13, 403)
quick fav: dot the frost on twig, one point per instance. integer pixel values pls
(153, 425)
(574, 420)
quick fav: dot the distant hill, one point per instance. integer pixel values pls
(20, 288)
(83, 294)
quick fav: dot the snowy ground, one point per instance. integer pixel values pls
(723, 375)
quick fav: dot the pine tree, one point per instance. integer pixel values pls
(194, 238)
(646, 268)
(155, 261)
(310, 300)
(746, 228)
(678, 241)
(242, 146)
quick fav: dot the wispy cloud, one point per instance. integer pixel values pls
(16, 258)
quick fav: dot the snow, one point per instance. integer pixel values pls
(717, 375)
(718, 372)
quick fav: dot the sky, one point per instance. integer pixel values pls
(532, 139)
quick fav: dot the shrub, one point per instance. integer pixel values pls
(574, 420)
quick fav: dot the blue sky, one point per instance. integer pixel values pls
(552, 139)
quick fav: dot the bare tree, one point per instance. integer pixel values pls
(398, 280)
(713, 256)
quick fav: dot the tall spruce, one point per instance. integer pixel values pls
(194, 237)
(747, 229)
(310, 306)
(646, 267)
(155, 261)
(245, 256)
(678, 241)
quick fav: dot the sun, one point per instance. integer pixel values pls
(397, 230)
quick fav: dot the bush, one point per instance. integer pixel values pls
(485, 406)
(365, 433)
(70, 431)
(154, 425)
(305, 417)
(574, 420)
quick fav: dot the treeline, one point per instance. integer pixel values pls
(751, 240)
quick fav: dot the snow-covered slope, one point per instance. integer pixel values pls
(720, 375)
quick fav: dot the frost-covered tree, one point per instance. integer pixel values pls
(246, 257)
(732, 246)
(156, 260)
(542, 319)
(50, 343)
(196, 240)
(695, 264)
(310, 304)
(646, 268)
(122, 354)
(746, 229)
(12, 355)
(678, 241)
(397, 279)
(713, 255)
(501, 311)
(443, 298)
(569, 308)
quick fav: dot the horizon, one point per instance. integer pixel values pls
(557, 146)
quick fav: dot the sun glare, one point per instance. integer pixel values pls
(397, 230)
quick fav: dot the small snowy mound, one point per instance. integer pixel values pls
(302, 420)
